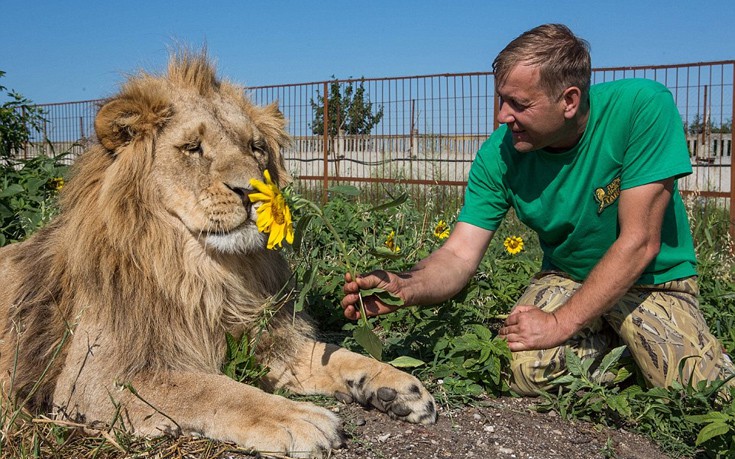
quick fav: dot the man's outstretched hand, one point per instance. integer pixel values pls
(373, 305)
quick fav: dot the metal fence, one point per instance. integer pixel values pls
(433, 125)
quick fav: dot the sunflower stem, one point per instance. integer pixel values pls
(317, 211)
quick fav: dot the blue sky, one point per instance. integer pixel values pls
(62, 51)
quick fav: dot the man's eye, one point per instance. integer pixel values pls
(518, 106)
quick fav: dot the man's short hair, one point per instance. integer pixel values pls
(563, 58)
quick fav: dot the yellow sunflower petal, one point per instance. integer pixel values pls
(265, 190)
(255, 197)
(276, 236)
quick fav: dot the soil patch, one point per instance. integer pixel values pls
(500, 428)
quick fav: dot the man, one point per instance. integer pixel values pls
(593, 171)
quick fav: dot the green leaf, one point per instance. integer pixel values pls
(620, 404)
(369, 341)
(405, 361)
(12, 190)
(384, 296)
(712, 416)
(712, 430)
(574, 364)
(310, 276)
(622, 375)
(394, 203)
(347, 190)
(482, 332)
(301, 226)
(610, 359)
(385, 252)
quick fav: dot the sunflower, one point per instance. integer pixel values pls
(513, 244)
(390, 242)
(57, 183)
(441, 230)
(274, 216)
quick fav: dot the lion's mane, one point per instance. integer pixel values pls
(116, 256)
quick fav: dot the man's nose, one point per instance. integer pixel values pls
(505, 114)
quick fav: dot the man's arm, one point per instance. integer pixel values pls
(434, 279)
(640, 215)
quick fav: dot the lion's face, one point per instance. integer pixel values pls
(203, 165)
(208, 143)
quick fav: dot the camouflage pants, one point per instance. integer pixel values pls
(659, 324)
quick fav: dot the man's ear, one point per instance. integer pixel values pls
(572, 99)
(123, 119)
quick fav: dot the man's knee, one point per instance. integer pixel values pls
(531, 372)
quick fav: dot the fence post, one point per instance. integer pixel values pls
(326, 143)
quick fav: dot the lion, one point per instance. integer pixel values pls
(118, 309)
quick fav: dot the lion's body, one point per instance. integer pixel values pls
(128, 295)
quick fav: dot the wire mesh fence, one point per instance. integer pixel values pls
(425, 130)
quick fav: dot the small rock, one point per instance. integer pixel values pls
(382, 438)
(477, 417)
(488, 428)
(359, 421)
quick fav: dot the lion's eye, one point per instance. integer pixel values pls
(259, 149)
(192, 148)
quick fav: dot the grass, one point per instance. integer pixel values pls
(461, 357)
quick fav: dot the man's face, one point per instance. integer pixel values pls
(535, 120)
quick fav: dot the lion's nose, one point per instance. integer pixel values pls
(244, 194)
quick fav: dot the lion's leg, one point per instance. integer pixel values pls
(320, 368)
(215, 406)
(189, 403)
(218, 407)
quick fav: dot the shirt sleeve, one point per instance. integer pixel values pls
(486, 198)
(657, 147)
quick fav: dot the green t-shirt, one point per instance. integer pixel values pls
(634, 136)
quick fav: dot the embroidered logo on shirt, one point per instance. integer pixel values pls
(607, 195)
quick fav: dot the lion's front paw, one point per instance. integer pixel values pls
(295, 429)
(399, 394)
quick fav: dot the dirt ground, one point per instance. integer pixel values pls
(501, 428)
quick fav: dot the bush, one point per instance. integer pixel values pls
(18, 119)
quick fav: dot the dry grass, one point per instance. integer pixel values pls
(40, 437)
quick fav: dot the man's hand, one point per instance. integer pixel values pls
(373, 306)
(529, 328)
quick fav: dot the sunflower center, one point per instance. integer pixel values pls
(278, 205)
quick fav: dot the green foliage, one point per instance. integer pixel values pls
(18, 119)
(586, 393)
(349, 110)
(456, 336)
(716, 267)
(240, 362)
(457, 340)
(472, 363)
(28, 190)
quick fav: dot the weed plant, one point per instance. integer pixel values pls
(28, 191)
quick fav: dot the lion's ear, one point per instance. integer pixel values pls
(272, 123)
(124, 119)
